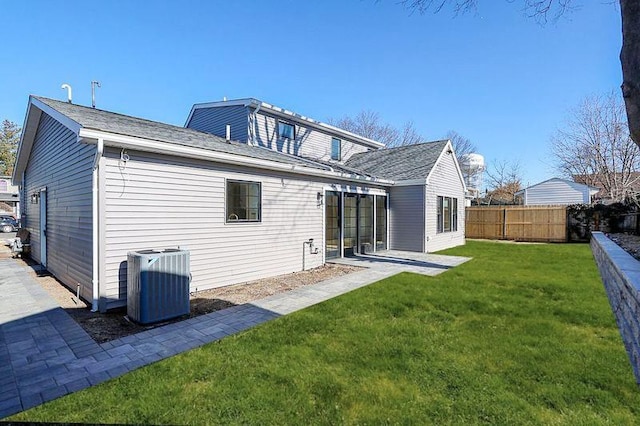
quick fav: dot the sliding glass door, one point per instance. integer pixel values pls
(350, 228)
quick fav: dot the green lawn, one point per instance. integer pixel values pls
(522, 334)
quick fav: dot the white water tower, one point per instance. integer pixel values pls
(473, 170)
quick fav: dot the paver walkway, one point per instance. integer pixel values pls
(45, 354)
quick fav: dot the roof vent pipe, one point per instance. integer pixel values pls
(94, 83)
(66, 86)
(228, 133)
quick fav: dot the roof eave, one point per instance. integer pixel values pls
(149, 145)
(448, 150)
(35, 109)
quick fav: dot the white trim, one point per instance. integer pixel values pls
(122, 141)
(355, 190)
(448, 150)
(56, 115)
(30, 127)
(412, 182)
(341, 239)
(255, 103)
(95, 224)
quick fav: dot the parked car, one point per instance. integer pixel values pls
(8, 223)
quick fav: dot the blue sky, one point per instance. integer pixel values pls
(494, 76)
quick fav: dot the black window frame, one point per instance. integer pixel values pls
(337, 157)
(452, 213)
(234, 210)
(285, 124)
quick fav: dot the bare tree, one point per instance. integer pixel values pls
(504, 179)
(368, 124)
(594, 147)
(461, 145)
(409, 135)
(541, 10)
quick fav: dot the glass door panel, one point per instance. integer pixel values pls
(332, 225)
(350, 226)
(365, 224)
(381, 222)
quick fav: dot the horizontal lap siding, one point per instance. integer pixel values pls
(406, 218)
(309, 142)
(157, 202)
(554, 193)
(444, 181)
(64, 166)
(215, 120)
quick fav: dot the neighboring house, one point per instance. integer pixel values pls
(557, 191)
(9, 197)
(100, 184)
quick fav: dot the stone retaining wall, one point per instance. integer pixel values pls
(620, 274)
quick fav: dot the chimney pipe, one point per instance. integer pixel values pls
(94, 83)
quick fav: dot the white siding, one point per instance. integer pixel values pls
(406, 218)
(444, 181)
(159, 202)
(556, 192)
(62, 165)
(309, 142)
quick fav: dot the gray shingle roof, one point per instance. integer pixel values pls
(96, 119)
(401, 163)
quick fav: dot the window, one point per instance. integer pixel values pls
(447, 214)
(336, 149)
(243, 201)
(454, 214)
(286, 130)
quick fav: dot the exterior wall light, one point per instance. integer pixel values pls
(320, 198)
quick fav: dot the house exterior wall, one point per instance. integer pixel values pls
(155, 202)
(62, 165)
(309, 142)
(215, 120)
(406, 218)
(556, 192)
(444, 181)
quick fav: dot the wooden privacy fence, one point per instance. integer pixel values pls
(519, 223)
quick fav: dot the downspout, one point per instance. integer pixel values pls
(95, 224)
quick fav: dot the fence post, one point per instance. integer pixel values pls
(504, 223)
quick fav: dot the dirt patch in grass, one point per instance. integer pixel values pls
(115, 324)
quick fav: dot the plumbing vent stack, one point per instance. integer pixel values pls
(66, 86)
(228, 133)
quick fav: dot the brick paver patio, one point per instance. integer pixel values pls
(45, 354)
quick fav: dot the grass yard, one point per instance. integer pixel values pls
(522, 334)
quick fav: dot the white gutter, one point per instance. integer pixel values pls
(148, 145)
(95, 224)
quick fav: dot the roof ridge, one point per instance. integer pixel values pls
(154, 122)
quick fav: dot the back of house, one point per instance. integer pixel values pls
(250, 189)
